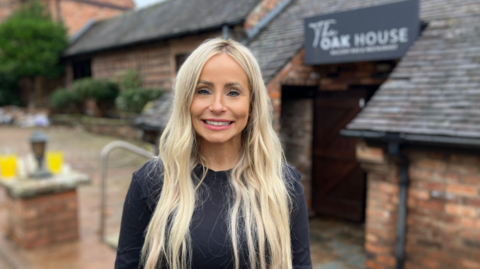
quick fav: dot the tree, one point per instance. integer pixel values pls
(8, 91)
(31, 44)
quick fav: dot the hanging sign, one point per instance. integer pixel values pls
(374, 33)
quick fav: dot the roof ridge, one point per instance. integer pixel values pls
(251, 33)
(102, 4)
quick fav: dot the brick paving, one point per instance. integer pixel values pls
(334, 244)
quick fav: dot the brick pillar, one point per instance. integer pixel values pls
(381, 212)
(44, 219)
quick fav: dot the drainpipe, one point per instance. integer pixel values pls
(394, 150)
(226, 32)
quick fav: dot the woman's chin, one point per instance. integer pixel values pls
(216, 139)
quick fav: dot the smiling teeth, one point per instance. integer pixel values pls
(218, 123)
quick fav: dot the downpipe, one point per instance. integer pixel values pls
(394, 151)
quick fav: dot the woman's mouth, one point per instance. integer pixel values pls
(217, 125)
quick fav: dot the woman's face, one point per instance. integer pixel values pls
(221, 102)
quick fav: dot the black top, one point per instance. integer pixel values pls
(211, 246)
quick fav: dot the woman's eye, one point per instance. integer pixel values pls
(233, 93)
(203, 91)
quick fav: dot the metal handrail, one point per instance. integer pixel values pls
(104, 157)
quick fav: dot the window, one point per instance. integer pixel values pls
(82, 69)
(179, 60)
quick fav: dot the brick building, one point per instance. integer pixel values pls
(74, 13)
(391, 142)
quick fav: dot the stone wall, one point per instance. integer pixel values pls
(443, 216)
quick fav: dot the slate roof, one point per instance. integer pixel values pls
(161, 21)
(434, 90)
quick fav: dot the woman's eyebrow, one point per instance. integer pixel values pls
(208, 83)
(230, 84)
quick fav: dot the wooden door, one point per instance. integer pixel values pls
(338, 181)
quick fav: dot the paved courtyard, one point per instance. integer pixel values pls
(334, 244)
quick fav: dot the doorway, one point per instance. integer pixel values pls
(338, 182)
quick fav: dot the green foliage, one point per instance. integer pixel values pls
(31, 43)
(133, 100)
(98, 89)
(130, 79)
(62, 98)
(103, 92)
(133, 97)
(8, 91)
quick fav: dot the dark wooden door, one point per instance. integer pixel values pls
(338, 181)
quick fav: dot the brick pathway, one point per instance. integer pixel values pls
(334, 244)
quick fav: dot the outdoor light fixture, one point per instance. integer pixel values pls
(39, 141)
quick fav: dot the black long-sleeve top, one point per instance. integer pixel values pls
(211, 245)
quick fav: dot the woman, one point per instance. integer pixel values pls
(220, 194)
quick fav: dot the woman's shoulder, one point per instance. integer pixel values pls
(291, 173)
(151, 170)
(293, 180)
(148, 180)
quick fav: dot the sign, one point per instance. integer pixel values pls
(374, 33)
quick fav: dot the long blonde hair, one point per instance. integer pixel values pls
(260, 209)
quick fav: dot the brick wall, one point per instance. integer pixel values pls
(7, 7)
(381, 213)
(152, 61)
(42, 220)
(120, 3)
(444, 215)
(155, 61)
(443, 221)
(294, 73)
(75, 14)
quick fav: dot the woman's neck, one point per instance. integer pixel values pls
(220, 156)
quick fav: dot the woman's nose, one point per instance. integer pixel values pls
(217, 105)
